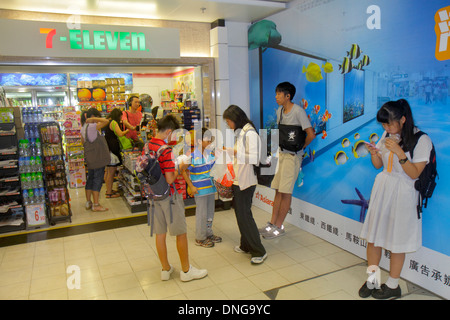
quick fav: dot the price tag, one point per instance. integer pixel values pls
(36, 215)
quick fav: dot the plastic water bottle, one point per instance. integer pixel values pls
(31, 196)
(25, 197)
(38, 146)
(39, 180)
(41, 195)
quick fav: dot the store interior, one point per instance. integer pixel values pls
(44, 173)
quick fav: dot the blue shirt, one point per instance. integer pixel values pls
(200, 169)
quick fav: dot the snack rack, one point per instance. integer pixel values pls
(57, 195)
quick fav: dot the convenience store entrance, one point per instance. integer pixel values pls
(149, 77)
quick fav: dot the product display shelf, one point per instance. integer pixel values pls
(11, 204)
(130, 184)
(74, 148)
(57, 194)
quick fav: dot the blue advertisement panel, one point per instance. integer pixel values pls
(376, 51)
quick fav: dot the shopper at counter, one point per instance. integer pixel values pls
(92, 122)
(131, 120)
(112, 134)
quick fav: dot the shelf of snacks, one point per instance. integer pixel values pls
(104, 95)
(57, 194)
(74, 150)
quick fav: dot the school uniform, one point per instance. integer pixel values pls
(391, 221)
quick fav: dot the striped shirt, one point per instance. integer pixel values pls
(166, 159)
(200, 173)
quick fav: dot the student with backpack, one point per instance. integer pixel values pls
(202, 188)
(295, 133)
(391, 221)
(169, 213)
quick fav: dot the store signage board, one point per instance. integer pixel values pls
(55, 39)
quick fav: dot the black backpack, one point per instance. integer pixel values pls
(154, 186)
(426, 183)
(265, 169)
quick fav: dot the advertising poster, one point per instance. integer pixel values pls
(347, 58)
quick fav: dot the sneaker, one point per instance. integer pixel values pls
(215, 239)
(239, 250)
(165, 274)
(193, 274)
(207, 243)
(266, 228)
(385, 292)
(275, 232)
(258, 260)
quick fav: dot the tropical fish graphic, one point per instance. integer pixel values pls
(316, 109)
(360, 150)
(304, 103)
(324, 134)
(345, 142)
(354, 52)
(374, 137)
(326, 116)
(346, 65)
(263, 34)
(327, 67)
(340, 157)
(313, 72)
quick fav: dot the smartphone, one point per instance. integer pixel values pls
(372, 145)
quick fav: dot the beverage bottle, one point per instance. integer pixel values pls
(40, 181)
(38, 146)
(25, 197)
(25, 147)
(32, 164)
(23, 181)
(30, 196)
(21, 149)
(42, 194)
(21, 161)
(26, 164)
(35, 131)
(38, 164)
(37, 195)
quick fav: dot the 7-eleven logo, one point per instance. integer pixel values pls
(442, 29)
(50, 33)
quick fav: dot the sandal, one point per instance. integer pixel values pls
(96, 207)
(112, 195)
(88, 205)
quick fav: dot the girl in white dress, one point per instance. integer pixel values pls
(391, 221)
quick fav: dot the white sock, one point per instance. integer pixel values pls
(370, 285)
(392, 282)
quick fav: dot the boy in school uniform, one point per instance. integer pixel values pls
(202, 188)
(177, 228)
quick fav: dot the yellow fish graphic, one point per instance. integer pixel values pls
(313, 72)
(327, 67)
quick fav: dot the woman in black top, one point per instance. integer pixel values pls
(112, 131)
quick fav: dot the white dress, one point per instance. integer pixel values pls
(391, 221)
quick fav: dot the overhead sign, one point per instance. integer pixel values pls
(53, 39)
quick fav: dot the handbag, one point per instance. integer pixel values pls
(96, 153)
(292, 137)
(125, 143)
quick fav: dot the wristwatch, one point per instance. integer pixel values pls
(403, 161)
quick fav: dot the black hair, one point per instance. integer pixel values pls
(238, 116)
(92, 112)
(168, 122)
(130, 100)
(393, 111)
(286, 88)
(204, 133)
(116, 115)
(155, 112)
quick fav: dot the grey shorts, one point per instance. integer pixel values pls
(162, 216)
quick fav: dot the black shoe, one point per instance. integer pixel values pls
(364, 291)
(385, 292)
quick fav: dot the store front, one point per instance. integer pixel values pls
(43, 84)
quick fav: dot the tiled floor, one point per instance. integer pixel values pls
(122, 263)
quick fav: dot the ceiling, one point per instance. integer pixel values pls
(180, 10)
